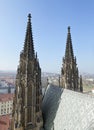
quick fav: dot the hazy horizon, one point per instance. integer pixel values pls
(14, 71)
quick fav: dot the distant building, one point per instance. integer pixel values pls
(9, 89)
(3, 83)
(69, 73)
(6, 104)
(4, 122)
(27, 114)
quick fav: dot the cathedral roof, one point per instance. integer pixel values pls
(64, 109)
(50, 105)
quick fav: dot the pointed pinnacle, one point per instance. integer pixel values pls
(68, 29)
(29, 17)
(28, 45)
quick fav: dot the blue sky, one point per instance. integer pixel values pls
(50, 19)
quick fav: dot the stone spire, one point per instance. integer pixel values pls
(28, 44)
(69, 72)
(27, 102)
(69, 49)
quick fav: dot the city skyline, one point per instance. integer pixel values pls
(50, 20)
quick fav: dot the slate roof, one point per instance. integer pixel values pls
(64, 109)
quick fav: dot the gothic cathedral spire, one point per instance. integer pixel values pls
(28, 45)
(27, 112)
(69, 72)
(69, 49)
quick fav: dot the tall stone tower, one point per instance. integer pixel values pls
(69, 72)
(27, 114)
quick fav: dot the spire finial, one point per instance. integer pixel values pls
(29, 16)
(68, 29)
